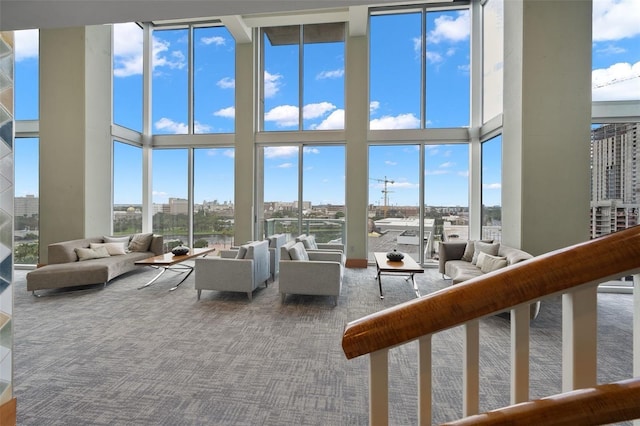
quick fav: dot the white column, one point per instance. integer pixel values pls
(547, 119)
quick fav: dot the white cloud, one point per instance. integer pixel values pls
(164, 57)
(615, 19)
(330, 74)
(464, 173)
(611, 50)
(226, 83)
(201, 128)
(317, 110)
(402, 121)
(285, 166)
(374, 105)
(450, 29)
(127, 50)
(171, 126)
(272, 84)
(390, 163)
(229, 112)
(216, 40)
(231, 153)
(497, 185)
(27, 44)
(310, 150)
(335, 120)
(434, 57)
(618, 82)
(435, 172)
(280, 151)
(447, 164)
(283, 115)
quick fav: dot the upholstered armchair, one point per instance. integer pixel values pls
(275, 242)
(316, 273)
(243, 270)
(310, 243)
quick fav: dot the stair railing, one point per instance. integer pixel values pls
(574, 272)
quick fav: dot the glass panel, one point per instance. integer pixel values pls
(170, 185)
(323, 76)
(448, 81)
(492, 58)
(26, 201)
(280, 188)
(170, 82)
(213, 186)
(616, 51)
(394, 71)
(127, 75)
(323, 181)
(127, 189)
(26, 87)
(214, 80)
(615, 201)
(394, 199)
(446, 195)
(492, 189)
(280, 89)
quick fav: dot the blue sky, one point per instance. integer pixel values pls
(394, 104)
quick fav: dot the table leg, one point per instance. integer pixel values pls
(415, 285)
(162, 271)
(380, 284)
(182, 280)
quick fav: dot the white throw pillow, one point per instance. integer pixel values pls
(491, 263)
(114, 249)
(298, 252)
(89, 253)
(480, 261)
(488, 248)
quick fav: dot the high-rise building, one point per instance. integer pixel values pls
(615, 198)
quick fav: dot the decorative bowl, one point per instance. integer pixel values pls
(395, 256)
(180, 250)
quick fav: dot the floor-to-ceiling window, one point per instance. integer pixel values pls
(492, 189)
(394, 199)
(26, 148)
(127, 189)
(213, 195)
(127, 75)
(170, 183)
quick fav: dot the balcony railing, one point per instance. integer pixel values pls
(573, 272)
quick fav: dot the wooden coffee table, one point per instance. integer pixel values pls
(406, 266)
(172, 262)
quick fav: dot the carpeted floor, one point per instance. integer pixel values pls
(123, 356)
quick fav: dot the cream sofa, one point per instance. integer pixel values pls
(462, 261)
(312, 272)
(242, 270)
(65, 269)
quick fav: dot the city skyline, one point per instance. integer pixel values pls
(615, 72)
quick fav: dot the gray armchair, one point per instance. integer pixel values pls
(310, 272)
(275, 242)
(244, 272)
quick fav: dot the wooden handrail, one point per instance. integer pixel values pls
(594, 261)
(603, 404)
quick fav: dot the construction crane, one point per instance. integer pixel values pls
(385, 191)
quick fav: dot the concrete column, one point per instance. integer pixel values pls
(547, 117)
(75, 134)
(356, 126)
(244, 143)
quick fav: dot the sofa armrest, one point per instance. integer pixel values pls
(450, 250)
(330, 246)
(326, 256)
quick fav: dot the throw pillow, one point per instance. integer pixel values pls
(124, 240)
(298, 252)
(140, 242)
(242, 252)
(488, 248)
(491, 263)
(481, 257)
(89, 253)
(468, 251)
(114, 249)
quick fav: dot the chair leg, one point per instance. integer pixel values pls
(250, 294)
(199, 293)
(282, 297)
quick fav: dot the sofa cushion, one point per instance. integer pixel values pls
(90, 253)
(140, 242)
(124, 240)
(491, 263)
(309, 242)
(298, 252)
(468, 251)
(489, 248)
(242, 252)
(114, 249)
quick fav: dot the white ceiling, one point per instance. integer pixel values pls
(29, 14)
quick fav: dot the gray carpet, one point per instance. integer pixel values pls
(122, 356)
